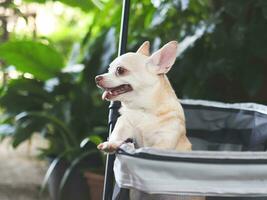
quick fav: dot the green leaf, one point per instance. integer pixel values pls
(24, 95)
(6, 130)
(85, 5)
(63, 129)
(36, 58)
(24, 131)
(95, 139)
(98, 3)
(36, 1)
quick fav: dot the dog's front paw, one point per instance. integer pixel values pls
(108, 147)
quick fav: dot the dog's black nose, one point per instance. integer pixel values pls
(98, 78)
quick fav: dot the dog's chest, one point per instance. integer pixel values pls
(145, 126)
(141, 120)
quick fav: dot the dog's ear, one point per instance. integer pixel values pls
(144, 49)
(163, 59)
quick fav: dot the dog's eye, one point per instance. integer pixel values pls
(120, 71)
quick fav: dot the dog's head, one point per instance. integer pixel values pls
(132, 74)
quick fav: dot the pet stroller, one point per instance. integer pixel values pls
(228, 160)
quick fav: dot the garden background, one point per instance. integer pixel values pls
(50, 52)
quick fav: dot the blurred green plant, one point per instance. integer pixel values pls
(222, 45)
(55, 101)
(85, 5)
(222, 56)
(20, 54)
(228, 62)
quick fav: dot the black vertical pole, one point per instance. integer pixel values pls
(114, 106)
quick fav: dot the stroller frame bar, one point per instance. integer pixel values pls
(114, 106)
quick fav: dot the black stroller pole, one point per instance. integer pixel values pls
(114, 106)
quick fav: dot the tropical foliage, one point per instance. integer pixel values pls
(222, 57)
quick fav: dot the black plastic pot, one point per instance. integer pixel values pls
(76, 187)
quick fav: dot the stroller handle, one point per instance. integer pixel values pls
(114, 106)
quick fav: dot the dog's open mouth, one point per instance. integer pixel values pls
(110, 93)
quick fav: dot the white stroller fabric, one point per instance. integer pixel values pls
(228, 157)
(192, 173)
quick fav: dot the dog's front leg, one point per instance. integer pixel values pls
(122, 131)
